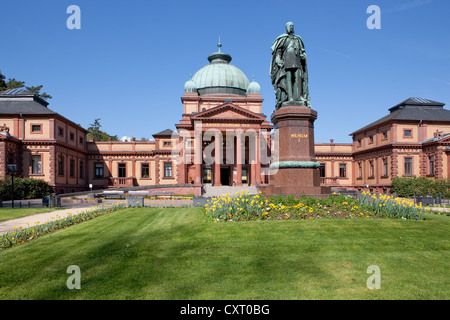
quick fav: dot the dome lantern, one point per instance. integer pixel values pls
(220, 77)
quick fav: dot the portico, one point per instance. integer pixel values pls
(226, 147)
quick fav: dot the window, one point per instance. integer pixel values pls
(322, 170)
(371, 169)
(342, 170)
(360, 170)
(81, 174)
(167, 169)
(370, 139)
(359, 142)
(385, 167)
(36, 128)
(385, 135)
(122, 170)
(60, 131)
(167, 143)
(145, 170)
(431, 165)
(72, 136)
(98, 170)
(407, 133)
(36, 164)
(408, 166)
(71, 167)
(81, 140)
(61, 166)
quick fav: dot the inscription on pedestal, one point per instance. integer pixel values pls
(299, 136)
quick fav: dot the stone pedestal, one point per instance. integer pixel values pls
(296, 171)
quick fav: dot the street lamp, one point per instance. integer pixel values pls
(12, 169)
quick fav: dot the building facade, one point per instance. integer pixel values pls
(412, 140)
(222, 139)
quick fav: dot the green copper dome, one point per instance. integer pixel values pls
(220, 76)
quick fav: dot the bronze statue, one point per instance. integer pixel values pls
(288, 69)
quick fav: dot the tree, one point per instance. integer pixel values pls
(12, 83)
(94, 132)
(2, 82)
(37, 91)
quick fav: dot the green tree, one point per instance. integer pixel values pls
(2, 82)
(94, 132)
(37, 91)
(12, 83)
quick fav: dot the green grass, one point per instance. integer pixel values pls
(15, 213)
(169, 253)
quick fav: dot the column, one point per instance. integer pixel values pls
(252, 157)
(217, 158)
(197, 157)
(238, 157)
(258, 158)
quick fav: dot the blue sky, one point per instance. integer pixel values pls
(129, 62)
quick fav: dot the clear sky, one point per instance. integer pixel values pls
(129, 61)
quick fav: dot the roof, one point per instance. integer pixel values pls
(165, 133)
(417, 102)
(413, 109)
(21, 101)
(219, 76)
(21, 93)
(15, 91)
(437, 137)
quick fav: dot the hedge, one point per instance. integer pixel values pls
(24, 188)
(420, 186)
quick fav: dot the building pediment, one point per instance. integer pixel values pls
(228, 112)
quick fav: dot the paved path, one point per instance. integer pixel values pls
(33, 220)
(30, 221)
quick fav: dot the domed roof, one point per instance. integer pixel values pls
(220, 76)
(190, 86)
(254, 88)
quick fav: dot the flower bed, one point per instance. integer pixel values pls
(21, 235)
(243, 207)
(390, 207)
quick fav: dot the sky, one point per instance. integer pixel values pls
(128, 63)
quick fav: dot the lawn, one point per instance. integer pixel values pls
(15, 213)
(171, 253)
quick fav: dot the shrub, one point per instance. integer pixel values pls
(24, 188)
(409, 187)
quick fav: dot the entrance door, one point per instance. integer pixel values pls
(207, 175)
(225, 173)
(244, 175)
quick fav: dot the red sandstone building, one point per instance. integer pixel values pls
(222, 139)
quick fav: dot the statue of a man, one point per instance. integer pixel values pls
(288, 69)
